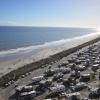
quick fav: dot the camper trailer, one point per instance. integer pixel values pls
(28, 94)
(85, 77)
(81, 68)
(65, 70)
(94, 93)
(37, 79)
(73, 96)
(49, 72)
(57, 76)
(78, 87)
(95, 67)
(63, 64)
(25, 92)
(23, 88)
(57, 89)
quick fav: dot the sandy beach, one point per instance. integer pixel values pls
(10, 65)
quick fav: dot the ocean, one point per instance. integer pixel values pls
(14, 39)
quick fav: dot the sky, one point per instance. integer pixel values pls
(54, 13)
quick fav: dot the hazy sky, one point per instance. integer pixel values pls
(65, 13)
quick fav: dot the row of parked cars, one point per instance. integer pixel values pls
(68, 80)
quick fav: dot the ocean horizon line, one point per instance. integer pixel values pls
(48, 26)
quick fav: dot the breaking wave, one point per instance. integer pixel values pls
(48, 44)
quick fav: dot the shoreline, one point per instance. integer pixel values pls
(31, 64)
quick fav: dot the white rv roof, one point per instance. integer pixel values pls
(57, 87)
(37, 77)
(23, 86)
(71, 94)
(27, 93)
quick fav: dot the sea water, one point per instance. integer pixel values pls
(20, 40)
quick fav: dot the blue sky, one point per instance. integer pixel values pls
(59, 13)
